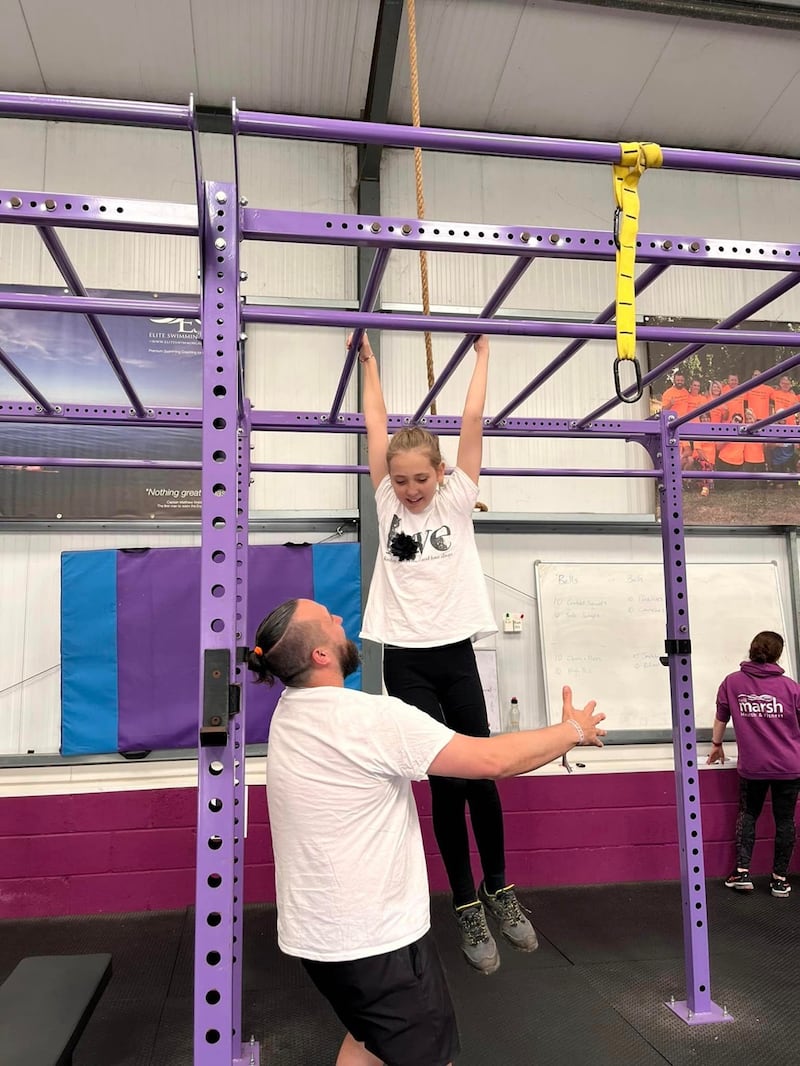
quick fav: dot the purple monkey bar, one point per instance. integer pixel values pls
(227, 422)
(643, 282)
(493, 304)
(756, 304)
(70, 275)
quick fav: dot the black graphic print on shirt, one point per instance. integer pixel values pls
(438, 540)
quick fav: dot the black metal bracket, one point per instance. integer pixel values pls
(216, 697)
(675, 647)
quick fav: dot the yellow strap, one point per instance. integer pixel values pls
(635, 158)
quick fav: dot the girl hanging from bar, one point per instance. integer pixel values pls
(427, 603)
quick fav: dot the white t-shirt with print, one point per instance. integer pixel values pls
(350, 869)
(439, 596)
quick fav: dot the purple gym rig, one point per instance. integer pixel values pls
(220, 221)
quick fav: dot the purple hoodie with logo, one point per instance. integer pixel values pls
(765, 705)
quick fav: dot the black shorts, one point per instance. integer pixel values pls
(397, 1004)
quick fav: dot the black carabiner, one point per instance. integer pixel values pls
(628, 397)
(617, 215)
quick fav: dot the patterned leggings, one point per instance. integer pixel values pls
(752, 794)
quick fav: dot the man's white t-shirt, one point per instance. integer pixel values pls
(350, 869)
(439, 596)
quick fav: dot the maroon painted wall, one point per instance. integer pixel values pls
(104, 853)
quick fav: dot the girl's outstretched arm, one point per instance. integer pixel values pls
(374, 412)
(470, 442)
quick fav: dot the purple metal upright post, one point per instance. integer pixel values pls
(698, 1007)
(239, 721)
(220, 873)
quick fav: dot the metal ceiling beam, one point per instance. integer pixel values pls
(379, 89)
(778, 16)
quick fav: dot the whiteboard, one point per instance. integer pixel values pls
(603, 627)
(486, 659)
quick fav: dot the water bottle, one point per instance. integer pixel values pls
(513, 716)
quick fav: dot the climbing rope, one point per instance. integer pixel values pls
(635, 158)
(415, 119)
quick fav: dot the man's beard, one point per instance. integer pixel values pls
(349, 658)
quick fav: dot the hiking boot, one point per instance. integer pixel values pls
(779, 887)
(477, 942)
(740, 880)
(507, 910)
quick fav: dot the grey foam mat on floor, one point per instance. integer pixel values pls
(143, 947)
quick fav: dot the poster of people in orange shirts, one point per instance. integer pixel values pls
(712, 373)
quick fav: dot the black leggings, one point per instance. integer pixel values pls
(752, 794)
(444, 682)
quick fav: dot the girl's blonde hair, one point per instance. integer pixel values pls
(414, 439)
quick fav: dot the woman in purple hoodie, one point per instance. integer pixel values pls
(765, 706)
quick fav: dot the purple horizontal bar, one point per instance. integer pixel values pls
(99, 414)
(307, 316)
(388, 232)
(86, 109)
(24, 461)
(719, 475)
(136, 464)
(70, 275)
(737, 431)
(76, 210)
(295, 127)
(99, 305)
(450, 426)
(493, 304)
(489, 471)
